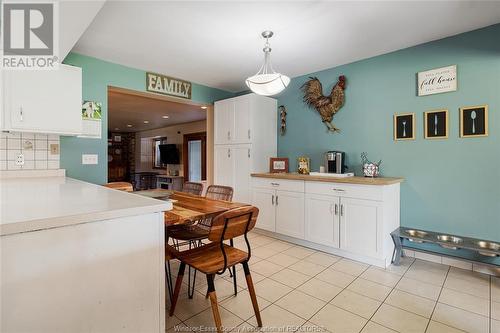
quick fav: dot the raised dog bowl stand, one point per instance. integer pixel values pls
(457, 247)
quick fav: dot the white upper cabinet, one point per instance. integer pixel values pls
(242, 120)
(224, 121)
(43, 101)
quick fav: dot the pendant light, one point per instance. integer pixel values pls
(267, 82)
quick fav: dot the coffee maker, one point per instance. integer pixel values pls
(334, 162)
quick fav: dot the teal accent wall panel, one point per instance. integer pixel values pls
(98, 75)
(451, 185)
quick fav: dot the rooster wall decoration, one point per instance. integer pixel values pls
(327, 106)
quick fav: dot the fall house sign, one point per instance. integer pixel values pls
(167, 85)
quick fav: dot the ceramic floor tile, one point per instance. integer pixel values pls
(400, 320)
(241, 305)
(461, 319)
(381, 276)
(419, 288)
(301, 304)
(403, 266)
(349, 266)
(205, 320)
(436, 327)
(261, 241)
(266, 268)
(335, 277)
(369, 289)
(495, 310)
(495, 289)
(323, 259)
(477, 287)
(311, 327)
(224, 288)
(241, 280)
(299, 252)
(171, 321)
(335, 319)
(263, 252)
(271, 290)
(412, 303)
(372, 327)
(279, 246)
(283, 259)
(465, 301)
(355, 303)
(431, 277)
(290, 278)
(186, 308)
(320, 289)
(307, 267)
(275, 319)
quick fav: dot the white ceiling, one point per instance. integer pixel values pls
(218, 43)
(131, 109)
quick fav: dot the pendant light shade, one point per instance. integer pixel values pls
(267, 82)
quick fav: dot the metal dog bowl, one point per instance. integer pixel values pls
(416, 233)
(488, 246)
(452, 240)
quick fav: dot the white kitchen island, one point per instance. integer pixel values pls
(78, 257)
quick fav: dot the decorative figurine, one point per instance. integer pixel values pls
(370, 169)
(304, 165)
(283, 113)
(327, 106)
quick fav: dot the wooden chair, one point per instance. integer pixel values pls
(215, 257)
(122, 186)
(219, 192)
(195, 232)
(193, 188)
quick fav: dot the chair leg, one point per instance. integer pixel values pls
(177, 290)
(251, 290)
(231, 242)
(168, 277)
(213, 301)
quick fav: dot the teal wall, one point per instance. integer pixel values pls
(450, 185)
(97, 76)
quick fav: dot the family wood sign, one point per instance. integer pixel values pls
(437, 80)
(167, 85)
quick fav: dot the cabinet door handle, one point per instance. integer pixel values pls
(229, 153)
(338, 190)
(342, 210)
(229, 135)
(272, 199)
(336, 209)
(248, 152)
(248, 134)
(276, 200)
(21, 113)
(275, 184)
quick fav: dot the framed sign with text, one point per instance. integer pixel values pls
(437, 80)
(167, 85)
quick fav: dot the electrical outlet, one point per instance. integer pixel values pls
(89, 158)
(20, 159)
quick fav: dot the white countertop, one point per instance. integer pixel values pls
(29, 204)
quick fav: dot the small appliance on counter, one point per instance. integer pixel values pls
(334, 162)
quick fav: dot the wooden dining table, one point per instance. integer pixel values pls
(188, 207)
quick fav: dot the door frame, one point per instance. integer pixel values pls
(185, 153)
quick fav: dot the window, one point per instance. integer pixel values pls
(156, 153)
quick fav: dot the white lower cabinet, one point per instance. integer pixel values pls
(290, 213)
(354, 221)
(322, 219)
(360, 229)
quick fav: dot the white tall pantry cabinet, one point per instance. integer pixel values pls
(245, 129)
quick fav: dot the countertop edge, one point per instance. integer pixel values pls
(63, 221)
(356, 180)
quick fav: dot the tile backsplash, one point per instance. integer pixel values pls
(40, 151)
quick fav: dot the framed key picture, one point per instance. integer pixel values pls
(474, 121)
(436, 124)
(404, 126)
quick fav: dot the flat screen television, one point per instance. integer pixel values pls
(169, 154)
